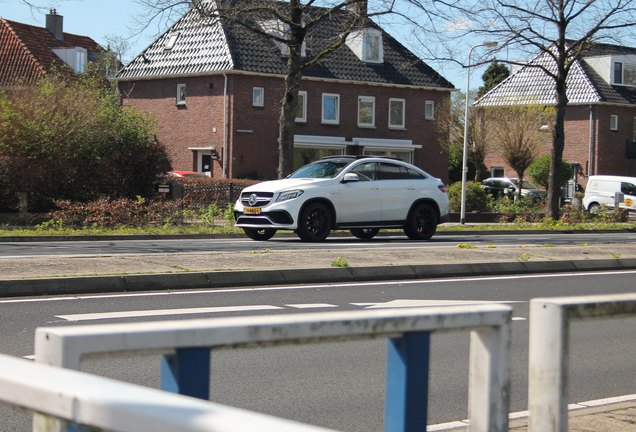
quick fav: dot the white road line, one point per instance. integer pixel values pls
(163, 312)
(399, 303)
(323, 286)
(311, 305)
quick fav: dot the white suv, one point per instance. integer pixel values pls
(358, 193)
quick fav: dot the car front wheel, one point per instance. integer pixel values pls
(421, 223)
(259, 234)
(365, 233)
(594, 208)
(314, 224)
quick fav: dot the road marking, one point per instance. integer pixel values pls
(322, 286)
(423, 303)
(311, 305)
(163, 312)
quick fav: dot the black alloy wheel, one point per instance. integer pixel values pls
(365, 233)
(421, 223)
(314, 224)
(259, 234)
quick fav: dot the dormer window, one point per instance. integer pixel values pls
(171, 41)
(280, 30)
(367, 45)
(625, 73)
(618, 73)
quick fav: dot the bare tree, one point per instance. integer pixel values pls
(450, 123)
(519, 132)
(290, 25)
(558, 29)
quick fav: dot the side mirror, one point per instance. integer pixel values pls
(350, 177)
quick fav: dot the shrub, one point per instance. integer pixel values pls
(476, 198)
(539, 171)
(61, 141)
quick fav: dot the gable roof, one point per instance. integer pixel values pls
(205, 47)
(25, 51)
(531, 84)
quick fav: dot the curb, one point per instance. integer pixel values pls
(343, 233)
(230, 279)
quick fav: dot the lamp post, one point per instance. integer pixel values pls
(462, 218)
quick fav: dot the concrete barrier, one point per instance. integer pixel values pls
(185, 348)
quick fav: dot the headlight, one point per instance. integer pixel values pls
(284, 196)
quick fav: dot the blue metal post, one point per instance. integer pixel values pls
(406, 403)
(187, 372)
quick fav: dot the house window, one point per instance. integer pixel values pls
(614, 122)
(496, 171)
(181, 94)
(330, 108)
(305, 155)
(629, 74)
(171, 41)
(405, 155)
(258, 97)
(618, 73)
(301, 111)
(429, 110)
(372, 47)
(366, 111)
(81, 61)
(396, 113)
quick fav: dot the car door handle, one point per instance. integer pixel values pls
(411, 188)
(375, 188)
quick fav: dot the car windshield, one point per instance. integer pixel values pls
(525, 185)
(323, 169)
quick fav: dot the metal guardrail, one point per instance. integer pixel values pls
(102, 404)
(549, 351)
(185, 346)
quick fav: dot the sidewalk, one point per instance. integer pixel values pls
(51, 276)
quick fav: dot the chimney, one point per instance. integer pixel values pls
(358, 7)
(54, 25)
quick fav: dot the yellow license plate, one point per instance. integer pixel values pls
(252, 211)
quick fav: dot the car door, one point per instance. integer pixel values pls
(629, 189)
(399, 190)
(360, 201)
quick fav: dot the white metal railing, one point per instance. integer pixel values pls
(549, 351)
(185, 348)
(108, 405)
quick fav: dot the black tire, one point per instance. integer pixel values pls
(421, 223)
(314, 224)
(259, 234)
(365, 233)
(594, 208)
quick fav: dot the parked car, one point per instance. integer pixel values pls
(600, 190)
(184, 174)
(362, 194)
(504, 186)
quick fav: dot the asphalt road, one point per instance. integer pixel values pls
(340, 385)
(109, 247)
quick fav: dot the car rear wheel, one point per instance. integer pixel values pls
(421, 223)
(259, 234)
(365, 233)
(314, 224)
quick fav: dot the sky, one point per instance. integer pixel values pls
(99, 18)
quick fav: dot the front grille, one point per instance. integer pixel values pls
(262, 198)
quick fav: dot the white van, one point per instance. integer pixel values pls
(601, 189)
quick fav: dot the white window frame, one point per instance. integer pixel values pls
(613, 122)
(495, 169)
(258, 101)
(367, 36)
(403, 124)
(429, 110)
(181, 100)
(337, 99)
(171, 41)
(618, 78)
(367, 99)
(303, 104)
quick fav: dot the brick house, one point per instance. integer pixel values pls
(600, 122)
(215, 90)
(28, 53)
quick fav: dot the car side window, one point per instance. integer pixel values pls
(390, 171)
(628, 188)
(416, 175)
(365, 171)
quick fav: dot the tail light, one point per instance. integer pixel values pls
(442, 188)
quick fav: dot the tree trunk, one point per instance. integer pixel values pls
(558, 143)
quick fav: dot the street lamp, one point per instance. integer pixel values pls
(462, 218)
